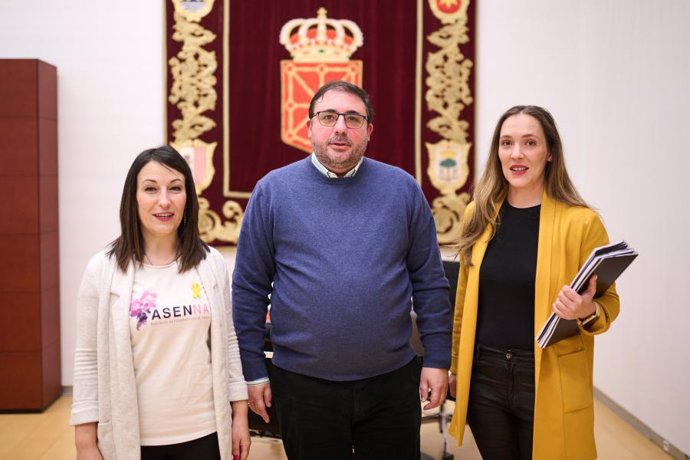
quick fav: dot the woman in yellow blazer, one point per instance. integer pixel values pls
(524, 238)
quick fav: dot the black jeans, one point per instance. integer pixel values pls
(378, 418)
(206, 448)
(501, 405)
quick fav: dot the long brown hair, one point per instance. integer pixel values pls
(492, 187)
(129, 246)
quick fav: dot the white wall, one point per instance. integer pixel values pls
(634, 106)
(110, 61)
(614, 74)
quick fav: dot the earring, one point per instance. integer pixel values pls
(184, 219)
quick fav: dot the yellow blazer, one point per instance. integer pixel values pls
(563, 408)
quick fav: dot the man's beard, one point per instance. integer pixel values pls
(356, 152)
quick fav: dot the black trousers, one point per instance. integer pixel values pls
(206, 448)
(500, 411)
(376, 418)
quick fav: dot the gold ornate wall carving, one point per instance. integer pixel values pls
(448, 94)
(193, 92)
(212, 227)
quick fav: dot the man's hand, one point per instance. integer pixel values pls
(433, 386)
(259, 399)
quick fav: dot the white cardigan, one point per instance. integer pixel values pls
(104, 384)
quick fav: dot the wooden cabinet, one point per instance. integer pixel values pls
(30, 377)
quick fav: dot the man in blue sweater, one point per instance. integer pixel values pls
(345, 246)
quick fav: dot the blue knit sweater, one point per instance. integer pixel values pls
(341, 260)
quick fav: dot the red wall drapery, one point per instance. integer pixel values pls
(229, 61)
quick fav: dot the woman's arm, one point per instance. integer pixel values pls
(237, 384)
(457, 326)
(85, 383)
(85, 438)
(458, 311)
(598, 312)
(457, 316)
(609, 303)
(459, 305)
(240, 430)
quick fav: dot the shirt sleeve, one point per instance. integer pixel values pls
(459, 302)
(595, 236)
(252, 283)
(85, 382)
(237, 386)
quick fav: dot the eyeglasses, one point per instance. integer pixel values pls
(329, 118)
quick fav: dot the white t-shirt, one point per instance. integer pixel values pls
(169, 324)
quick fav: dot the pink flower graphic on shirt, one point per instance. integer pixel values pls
(140, 308)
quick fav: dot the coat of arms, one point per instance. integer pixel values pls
(320, 48)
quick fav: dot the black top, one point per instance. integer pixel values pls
(506, 281)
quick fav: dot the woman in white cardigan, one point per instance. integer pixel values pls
(157, 370)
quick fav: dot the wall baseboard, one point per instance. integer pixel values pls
(640, 426)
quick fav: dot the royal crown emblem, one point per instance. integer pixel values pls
(320, 48)
(321, 39)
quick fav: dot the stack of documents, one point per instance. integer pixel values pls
(607, 262)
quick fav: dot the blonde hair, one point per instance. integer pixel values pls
(493, 186)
